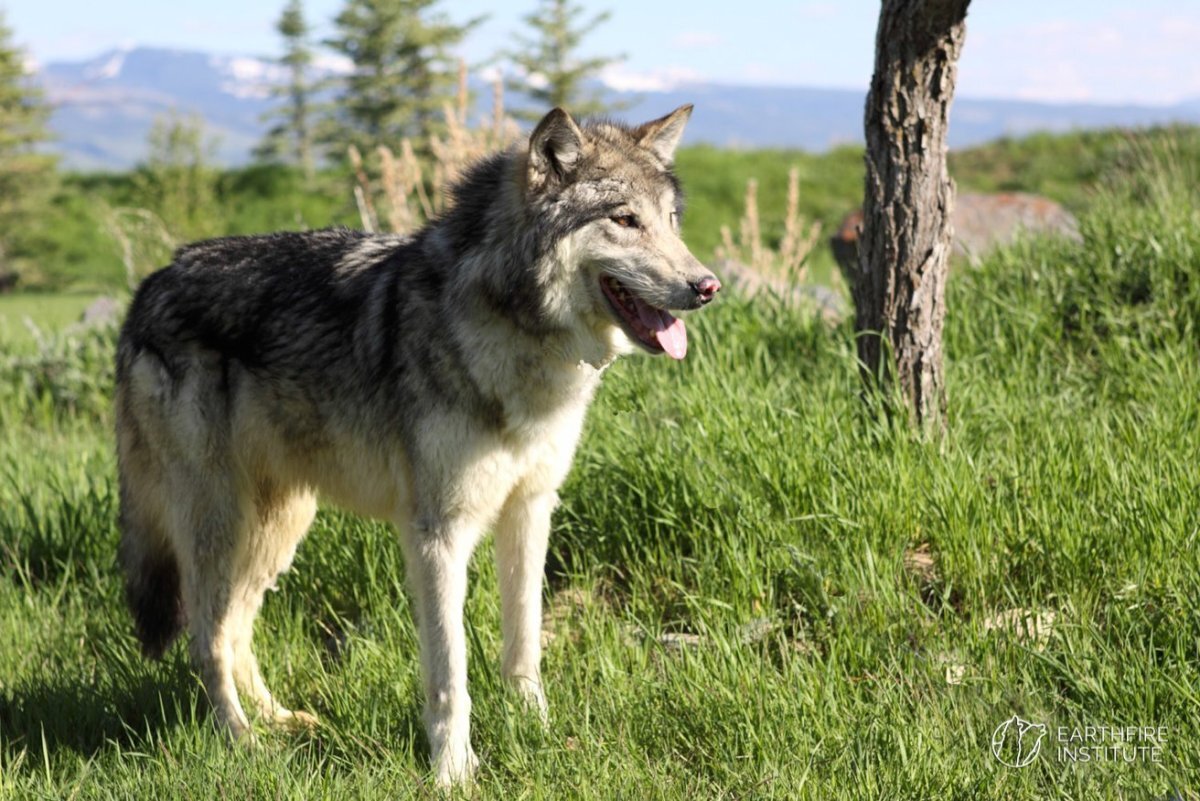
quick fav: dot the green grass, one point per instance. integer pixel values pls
(742, 490)
(47, 311)
(1066, 167)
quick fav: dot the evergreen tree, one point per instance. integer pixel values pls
(552, 74)
(291, 137)
(403, 71)
(27, 178)
(177, 181)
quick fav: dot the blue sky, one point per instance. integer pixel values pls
(1082, 50)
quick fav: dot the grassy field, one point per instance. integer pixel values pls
(757, 590)
(48, 312)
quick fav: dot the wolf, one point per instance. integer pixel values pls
(438, 381)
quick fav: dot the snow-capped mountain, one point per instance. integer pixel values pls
(104, 107)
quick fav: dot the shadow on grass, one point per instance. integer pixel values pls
(42, 541)
(66, 713)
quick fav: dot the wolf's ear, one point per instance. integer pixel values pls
(554, 148)
(662, 136)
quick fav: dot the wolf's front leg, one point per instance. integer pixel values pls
(436, 555)
(521, 536)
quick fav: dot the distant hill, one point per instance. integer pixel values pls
(104, 108)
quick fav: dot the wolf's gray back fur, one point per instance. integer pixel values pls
(438, 381)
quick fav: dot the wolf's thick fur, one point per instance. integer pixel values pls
(438, 381)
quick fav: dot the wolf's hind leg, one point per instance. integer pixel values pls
(522, 532)
(282, 523)
(208, 524)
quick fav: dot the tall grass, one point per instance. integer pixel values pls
(787, 264)
(407, 191)
(65, 376)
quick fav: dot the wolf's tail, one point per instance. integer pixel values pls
(145, 553)
(151, 587)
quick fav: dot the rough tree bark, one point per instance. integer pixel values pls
(899, 293)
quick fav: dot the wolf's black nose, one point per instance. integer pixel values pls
(707, 288)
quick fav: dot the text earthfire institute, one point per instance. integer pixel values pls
(1110, 743)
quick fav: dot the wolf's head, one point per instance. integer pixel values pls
(1030, 734)
(606, 197)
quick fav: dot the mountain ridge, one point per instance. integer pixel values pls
(104, 106)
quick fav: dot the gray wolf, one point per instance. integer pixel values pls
(438, 381)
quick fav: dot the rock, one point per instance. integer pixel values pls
(829, 302)
(985, 222)
(982, 222)
(756, 630)
(1025, 625)
(920, 563)
(102, 311)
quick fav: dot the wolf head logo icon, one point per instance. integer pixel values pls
(1016, 742)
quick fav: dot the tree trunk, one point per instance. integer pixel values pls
(899, 294)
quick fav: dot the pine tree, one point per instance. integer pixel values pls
(176, 181)
(552, 74)
(291, 137)
(27, 178)
(403, 71)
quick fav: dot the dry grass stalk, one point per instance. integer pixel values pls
(412, 190)
(751, 230)
(797, 242)
(789, 262)
(362, 192)
(498, 119)
(142, 237)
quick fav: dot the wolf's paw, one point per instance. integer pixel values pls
(235, 727)
(535, 699)
(300, 721)
(532, 695)
(455, 765)
(244, 738)
(293, 720)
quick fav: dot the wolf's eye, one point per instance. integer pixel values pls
(626, 221)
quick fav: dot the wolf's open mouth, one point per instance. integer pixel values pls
(654, 328)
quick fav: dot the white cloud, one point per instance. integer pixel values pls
(1123, 58)
(818, 10)
(534, 79)
(690, 40)
(623, 79)
(758, 73)
(333, 63)
(491, 73)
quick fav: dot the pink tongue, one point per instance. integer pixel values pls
(668, 330)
